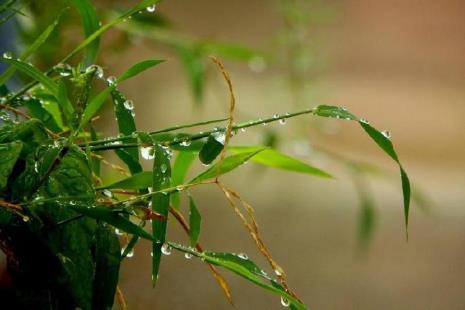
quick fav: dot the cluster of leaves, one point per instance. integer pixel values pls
(59, 224)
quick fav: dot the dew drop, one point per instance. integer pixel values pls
(282, 121)
(63, 69)
(147, 153)
(185, 143)
(243, 256)
(243, 129)
(26, 219)
(219, 136)
(179, 188)
(128, 104)
(285, 302)
(188, 255)
(166, 249)
(163, 168)
(118, 232)
(364, 120)
(7, 55)
(107, 193)
(98, 71)
(278, 271)
(129, 254)
(111, 80)
(151, 8)
(275, 116)
(386, 133)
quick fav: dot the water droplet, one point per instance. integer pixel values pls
(107, 193)
(129, 254)
(163, 168)
(98, 71)
(278, 271)
(7, 55)
(365, 121)
(243, 256)
(185, 143)
(63, 69)
(188, 255)
(243, 129)
(166, 249)
(219, 136)
(275, 116)
(179, 188)
(128, 104)
(26, 219)
(386, 133)
(282, 121)
(147, 153)
(257, 64)
(111, 80)
(118, 232)
(285, 302)
(151, 8)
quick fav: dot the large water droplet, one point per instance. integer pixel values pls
(147, 153)
(151, 8)
(128, 104)
(386, 133)
(111, 80)
(63, 69)
(7, 55)
(107, 193)
(166, 249)
(98, 71)
(285, 302)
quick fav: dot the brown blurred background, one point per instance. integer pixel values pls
(401, 65)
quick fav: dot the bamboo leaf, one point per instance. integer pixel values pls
(138, 68)
(90, 23)
(9, 154)
(112, 217)
(94, 106)
(272, 158)
(136, 181)
(181, 166)
(212, 148)
(229, 163)
(160, 204)
(195, 220)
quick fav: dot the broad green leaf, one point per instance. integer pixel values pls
(380, 139)
(90, 23)
(9, 154)
(195, 220)
(138, 68)
(272, 158)
(229, 163)
(112, 217)
(94, 106)
(31, 49)
(181, 166)
(137, 181)
(35, 74)
(213, 148)
(244, 267)
(160, 204)
(107, 263)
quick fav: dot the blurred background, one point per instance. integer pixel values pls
(399, 64)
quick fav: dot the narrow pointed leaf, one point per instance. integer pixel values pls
(229, 163)
(195, 220)
(181, 166)
(138, 68)
(272, 158)
(112, 217)
(137, 181)
(90, 23)
(160, 204)
(94, 106)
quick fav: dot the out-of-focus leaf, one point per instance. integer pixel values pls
(30, 49)
(380, 139)
(195, 70)
(160, 204)
(9, 153)
(181, 166)
(107, 263)
(112, 217)
(229, 50)
(244, 267)
(229, 163)
(213, 148)
(195, 220)
(137, 181)
(272, 158)
(138, 68)
(90, 23)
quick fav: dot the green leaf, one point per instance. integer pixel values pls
(380, 139)
(90, 23)
(35, 74)
(112, 217)
(36, 110)
(31, 49)
(138, 68)
(272, 158)
(107, 263)
(245, 268)
(195, 220)
(181, 166)
(137, 181)
(213, 148)
(160, 204)
(94, 106)
(195, 70)
(64, 103)
(229, 163)
(9, 154)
